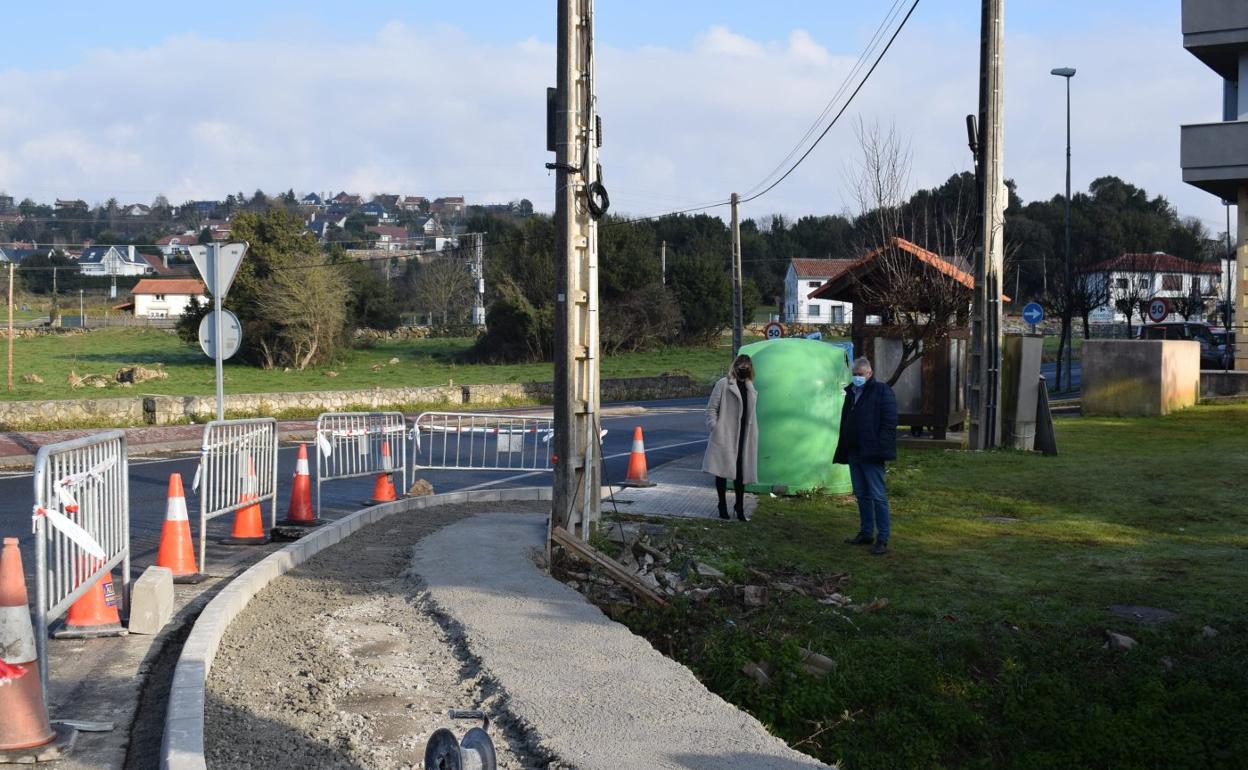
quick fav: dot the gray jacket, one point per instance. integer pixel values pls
(723, 420)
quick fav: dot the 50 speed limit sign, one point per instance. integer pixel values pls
(773, 330)
(1158, 309)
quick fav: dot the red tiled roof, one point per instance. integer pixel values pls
(184, 239)
(169, 286)
(395, 232)
(929, 258)
(820, 268)
(1156, 262)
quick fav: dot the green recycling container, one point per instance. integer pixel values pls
(801, 387)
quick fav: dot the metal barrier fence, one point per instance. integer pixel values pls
(349, 445)
(499, 442)
(237, 468)
(81, 525)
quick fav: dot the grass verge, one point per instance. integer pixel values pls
(991, 651)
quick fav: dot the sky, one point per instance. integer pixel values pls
(698, 98)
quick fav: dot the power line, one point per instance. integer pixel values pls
(841, 112)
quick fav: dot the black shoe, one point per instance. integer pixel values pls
(880, 548)
(860, 539)
(740, 514)
(723, 512)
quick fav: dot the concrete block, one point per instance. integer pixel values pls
(524, 493)
(1139, 378)
(151, 601)
(1216, 384)
(485, 495)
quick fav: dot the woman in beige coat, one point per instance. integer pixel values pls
(732, 450)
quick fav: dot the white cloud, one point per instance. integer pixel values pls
(432, 111)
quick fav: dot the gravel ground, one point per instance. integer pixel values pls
(342, 663)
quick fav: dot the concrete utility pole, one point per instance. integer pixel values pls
(478, 270)
(738, 322)
(10, 326)
(663, 262)
(577, 493)
(984, 383)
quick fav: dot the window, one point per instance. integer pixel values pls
(1120, 283)
(816, 310)
(1143, 283)
(838, 314)
(814, 284)
(159, 297)
(1172, 282)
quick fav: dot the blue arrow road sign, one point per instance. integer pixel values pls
(1033, 313)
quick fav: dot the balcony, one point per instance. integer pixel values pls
(1216, 31)
(1214, 156)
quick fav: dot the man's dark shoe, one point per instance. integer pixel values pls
(740, 514)
(880, 548)
(860, 539)
(723, 512)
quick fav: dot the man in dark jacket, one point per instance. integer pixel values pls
(868, 440)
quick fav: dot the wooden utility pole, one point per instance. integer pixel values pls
(577, 493)
(738, 322)
(984, 382)
(663, 262)
(10, 326)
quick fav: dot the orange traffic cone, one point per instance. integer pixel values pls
(177, 551)
(26, 736)
(299, 514)
(383, 485)
(248, 520)
(95, 614)
(637, 474)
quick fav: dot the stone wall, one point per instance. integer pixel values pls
(172, 410)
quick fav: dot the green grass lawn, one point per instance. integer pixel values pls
(421, 362)
(990, 652)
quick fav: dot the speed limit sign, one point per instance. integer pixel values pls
(1158, 309)
(774, 330)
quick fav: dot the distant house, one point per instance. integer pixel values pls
(388, 201)
(1137, 278)
(177, 245)
(449, 207)
(346, 199)
(17, 254)
(375, 209)
(112, 260)
(413, 203)
(802, 277)
(136, 210)
(218, 229)
(312, 200)
(63, 205)
(166, 297)
(430, 226)
(6, 203)
(204, 208)
(390, 237)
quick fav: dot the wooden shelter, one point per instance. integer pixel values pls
(931, 391)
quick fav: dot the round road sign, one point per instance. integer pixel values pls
(1033, 313)
(231, 330)
(1158, 309)
(774, 330)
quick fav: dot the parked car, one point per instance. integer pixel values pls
(1213, 350)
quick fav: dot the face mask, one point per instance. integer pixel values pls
(859, 380)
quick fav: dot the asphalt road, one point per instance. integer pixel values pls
(1050, 375)
(673, 429)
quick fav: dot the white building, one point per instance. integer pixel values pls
(1138, 278)
(112, 260)
(803, 277)
(166, 297)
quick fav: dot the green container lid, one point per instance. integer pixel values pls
(801, 387)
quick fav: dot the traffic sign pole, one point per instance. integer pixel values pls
(214, 259)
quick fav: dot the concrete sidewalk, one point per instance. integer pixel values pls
(681, 489)
(598, 696)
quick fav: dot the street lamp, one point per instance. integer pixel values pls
(1068, 318)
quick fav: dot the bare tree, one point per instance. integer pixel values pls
(443, 290)
(1133, 285)
(307, 308)
(922, 296)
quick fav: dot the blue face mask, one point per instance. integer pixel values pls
(859, 380)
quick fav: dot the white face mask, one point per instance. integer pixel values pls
(859, 380)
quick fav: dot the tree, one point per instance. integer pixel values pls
(443, 289)
(307, 308)
(924, 303)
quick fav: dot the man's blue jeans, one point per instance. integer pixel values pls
(868, 481)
